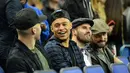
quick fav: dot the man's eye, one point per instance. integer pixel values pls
(84, 27)
(57, 25)
(64, 24)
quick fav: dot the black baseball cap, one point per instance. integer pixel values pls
(80, 21)
(27, 18)
(59, 14)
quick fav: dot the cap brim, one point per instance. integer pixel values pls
(90, 22)
(97, 32)
(42, 18)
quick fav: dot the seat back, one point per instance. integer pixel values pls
(125, 51)
(93, 69)
(21, 72)
(124, 59)
(1, 70)
(45, 71)
(71, 70)
(119, 68)
(129, 67)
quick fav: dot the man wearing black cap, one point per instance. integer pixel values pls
(26, 56)
(81, 34)
(62, 51)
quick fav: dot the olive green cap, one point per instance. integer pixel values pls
(99, 26)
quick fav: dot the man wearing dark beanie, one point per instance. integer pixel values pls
(62, 51)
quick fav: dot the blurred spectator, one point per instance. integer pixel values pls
(111, 25)
(8, 9)
(98, 7)
(49, 7)
(110, 43)
(113, 9)
(23, 2)
(61, 3)
(38, 4)
(126, 21)
(78, 9)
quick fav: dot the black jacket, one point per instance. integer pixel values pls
(21, 59)
(78, 9)
(97, 58)
(8, 9)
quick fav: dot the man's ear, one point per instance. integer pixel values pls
(70, 25)
(74, 32)
(51, 28)
(33, 30)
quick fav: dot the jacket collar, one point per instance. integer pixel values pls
(59, 42)
(56, 39)
(21, 46)
(94, 50)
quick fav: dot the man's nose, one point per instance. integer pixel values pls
(61, 27)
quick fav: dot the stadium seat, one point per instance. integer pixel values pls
(1, 70)
(45, 71)
(125, 50)
(129, 67)
(21, 72)
(71, 70)
(119, 68)
(124, 59)
(93, 69)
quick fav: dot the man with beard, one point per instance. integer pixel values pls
(100, 53)
(62, 51)
(81, 34)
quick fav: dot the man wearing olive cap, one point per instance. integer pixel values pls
(100, 53)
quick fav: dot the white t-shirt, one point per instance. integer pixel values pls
(87, 58)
